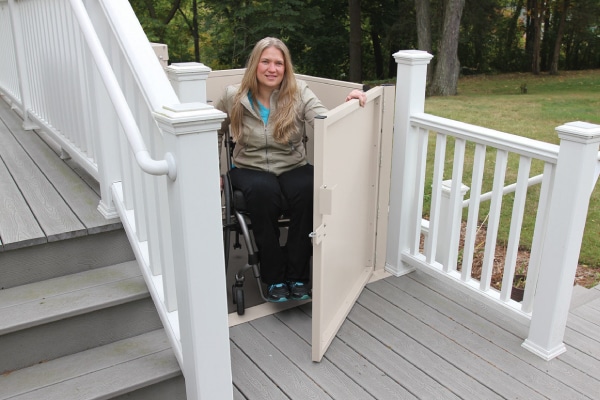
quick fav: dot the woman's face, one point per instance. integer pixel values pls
(271, 68)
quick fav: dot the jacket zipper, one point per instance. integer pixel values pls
(266, 147)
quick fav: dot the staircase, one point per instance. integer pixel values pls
(76, 318)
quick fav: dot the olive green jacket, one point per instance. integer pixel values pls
(256, 148)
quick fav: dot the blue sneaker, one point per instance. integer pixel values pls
(299, 291)
(278, 292)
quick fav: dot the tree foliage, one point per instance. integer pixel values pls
(491, 35)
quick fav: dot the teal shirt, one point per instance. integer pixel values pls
(264, 111)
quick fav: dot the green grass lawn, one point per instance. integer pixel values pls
(497, 102)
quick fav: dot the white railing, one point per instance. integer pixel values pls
(442, 246)
(568, 175)
(84, 73)
(102, 96)
(8, 62)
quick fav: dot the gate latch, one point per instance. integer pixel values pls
(318, 234)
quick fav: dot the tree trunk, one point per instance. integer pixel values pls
(512, 28)
(423, 25)
(377, 53)
(424, 31)
(355, 41)
(547, 39)
(559, 35)
(445, 79)
(537, 15)
(195, 31)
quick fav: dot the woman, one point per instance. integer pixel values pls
(266, 116)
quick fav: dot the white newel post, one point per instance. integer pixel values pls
(195, 209)
(568, 209)
(449, 212)
(410, 99)
(189, 81)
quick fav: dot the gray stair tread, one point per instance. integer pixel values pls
(77, 281)
(54, 216)
(80, 197)
(105, 371)
(62, 297)
(18, 226)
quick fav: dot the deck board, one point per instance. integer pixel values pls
(595, 305)
(54, 216)
(44, 199)
(412, 337)
(589, 314)
(502, 349)
(252, 382)
(582, 324)
(80, 198)
(18, 225)
(509, 335)
(289, 377)
(395, 356)
(325, 374)
(350, 357)
(443, 357)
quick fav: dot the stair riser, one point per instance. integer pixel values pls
(71, 335)
(51, 260)
(172, 389)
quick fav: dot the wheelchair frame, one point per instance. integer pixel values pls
(236, 219)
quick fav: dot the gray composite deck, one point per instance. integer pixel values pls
(43, 199)
(407, 337)
(410, 337)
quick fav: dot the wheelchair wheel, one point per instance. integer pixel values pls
(238, 299)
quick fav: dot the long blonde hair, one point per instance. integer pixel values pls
(285, 113)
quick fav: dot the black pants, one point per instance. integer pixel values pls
(263, 193)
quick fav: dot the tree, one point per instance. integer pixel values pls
(423, 15)
(193, 27)
(355, 41)
(537, 16)
(581, 39)
(481, 38)
(559, 36)
(388, 26)
(510, 56)
(447, 68)
(155, 16)
(423, 25)
(306, 27)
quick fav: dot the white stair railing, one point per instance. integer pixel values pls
(569, 175)
(96, 88)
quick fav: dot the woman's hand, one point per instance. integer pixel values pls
(357, 94)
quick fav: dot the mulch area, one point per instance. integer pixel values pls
(585, 276)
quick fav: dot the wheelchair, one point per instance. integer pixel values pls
(236, 219)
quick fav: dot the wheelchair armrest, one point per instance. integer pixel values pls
(233, 197)
(239, 202)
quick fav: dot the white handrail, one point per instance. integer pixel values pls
(570, 173)
(507, 189)
(134, 137)
(544, 151)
